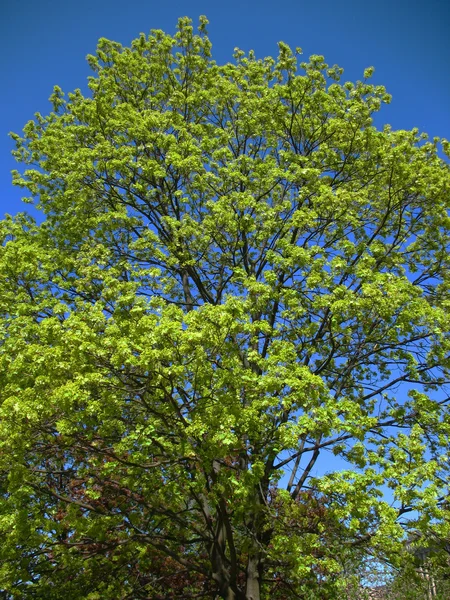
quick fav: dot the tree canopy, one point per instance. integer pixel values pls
(224, 344)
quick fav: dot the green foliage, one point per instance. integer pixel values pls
(234, 274)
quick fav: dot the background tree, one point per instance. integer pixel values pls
(233, 274)
(427, 573)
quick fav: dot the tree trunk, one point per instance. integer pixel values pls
(253, 582)
(228, 594)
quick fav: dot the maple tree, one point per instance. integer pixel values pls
(227, 334)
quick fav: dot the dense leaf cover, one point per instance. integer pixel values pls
(226, 336)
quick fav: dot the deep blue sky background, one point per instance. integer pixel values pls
(45, 44)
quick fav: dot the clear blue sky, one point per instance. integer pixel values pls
(45, 43)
